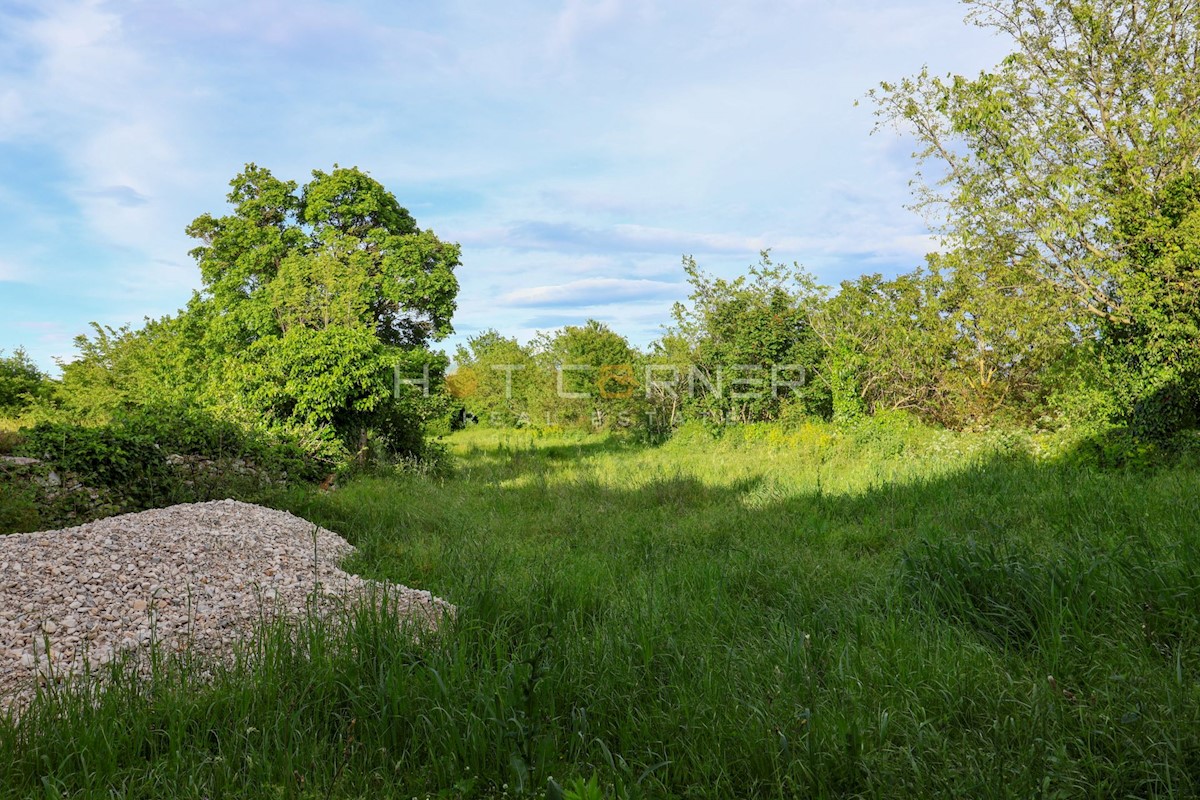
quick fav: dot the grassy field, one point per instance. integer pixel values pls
(875, 613)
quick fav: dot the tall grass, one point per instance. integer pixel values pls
(801, 613)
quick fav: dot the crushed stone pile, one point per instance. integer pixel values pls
(196, 577)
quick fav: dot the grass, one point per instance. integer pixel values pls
(806, 613)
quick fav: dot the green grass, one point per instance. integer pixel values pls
(880, 613)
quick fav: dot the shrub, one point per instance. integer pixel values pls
(127, 462)
(108, 457)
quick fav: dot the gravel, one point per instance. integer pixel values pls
(196, 577)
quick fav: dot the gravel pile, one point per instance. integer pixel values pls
(196, 577)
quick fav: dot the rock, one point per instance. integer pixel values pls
(195, 577)
(19, 461)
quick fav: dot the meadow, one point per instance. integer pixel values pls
(875, 611)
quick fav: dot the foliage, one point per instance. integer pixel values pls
(126, 462)
(495, 378)
(19, 502)
(21, 383)
(739, 342)
(1096, 101)
(590, 378)
(104, 457)
(1152, 363)
(341, 252)
(586, 377)
(316, 300)
(968, 342)
(1076, 158)
(119, 369)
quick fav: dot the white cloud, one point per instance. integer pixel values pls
(589, 140)
(590, 292)
(579, 18)
(11, 272)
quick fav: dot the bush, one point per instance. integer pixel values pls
(21, 382)
(18, 506)
(127, 461)
(9, 441)
(191, 432)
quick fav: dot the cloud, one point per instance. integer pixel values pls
(125, 196)
(591, 292)
(10, 272)
(626, 238)
(561, 143)
(579, 18)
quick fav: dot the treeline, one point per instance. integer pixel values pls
(957, 343)
(1065, 188)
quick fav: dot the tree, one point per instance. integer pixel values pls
(1098, 100)
(21, 382)
(338, 251)
(590, 377)
(494, 377)
(747, 336)
(961, 343)
(887, 344)
(314, 299)
(1077, 157)
(1152, 363)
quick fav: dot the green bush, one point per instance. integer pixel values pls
(127, 459)
(21, 382)
(108, 457)
(18, 506)
(9, 441)
(192, 432)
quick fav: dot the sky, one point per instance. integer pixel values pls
(576, 149)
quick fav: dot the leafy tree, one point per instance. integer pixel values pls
(740, 335)
(119, 369)
(1014, 338)
(1074, 156)
(591, 376)
(1098, 99)
(21, 382)
(963, 343)
(1153, 363)
(338, 251)
(887, 344)
(313, 298)
(495, 377)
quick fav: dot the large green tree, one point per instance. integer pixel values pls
(314, 296)
(1099, 98)
(314, 300)
(338, 251)
(1073, 156)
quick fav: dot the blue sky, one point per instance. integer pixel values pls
(575, 148)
